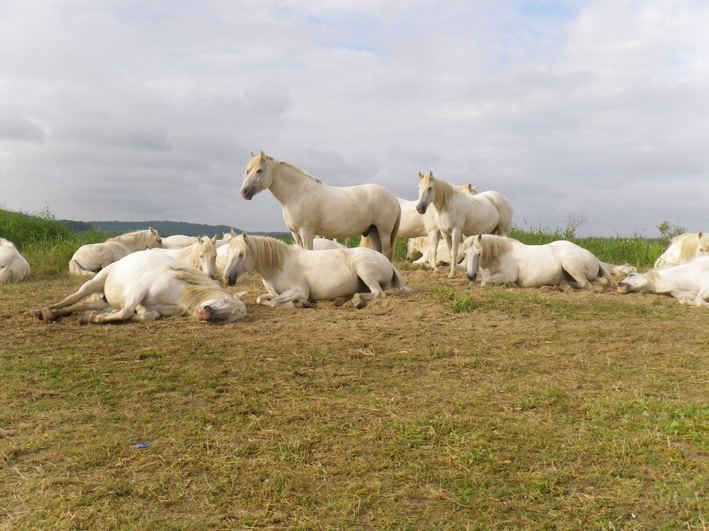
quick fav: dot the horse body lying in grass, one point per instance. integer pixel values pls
(684, 248)
(311, 207)
(689, 283)
(91, 258)
(201, 255)
(560, 263)
(13, 266)
(144, 286)
(423, 245)
(458, 214)
(296, 276)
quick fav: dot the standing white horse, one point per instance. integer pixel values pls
(145, 286)
(13, 266)
(92, 257)
(311, 207)
(689, 282)
(504, 260)
(459, 214)
(296, 276)
(684, 248)
(201, 255)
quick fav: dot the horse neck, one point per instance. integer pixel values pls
(289, 182)
(267, 253)
(442, 194)
(134, 241)
(493, 248)
(688, 247)
(190, 254)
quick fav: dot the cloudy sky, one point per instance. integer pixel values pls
(148, 109)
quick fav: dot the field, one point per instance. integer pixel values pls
(457, 407)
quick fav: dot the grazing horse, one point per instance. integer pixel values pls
(684, 248)
(459, 214)
(92, 257)
(311, 207)
(296, 276)
(560, 263)
(13, 266)
(689, 283)
(201, 255)
(144, 286)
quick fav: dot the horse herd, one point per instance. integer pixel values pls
(140, 276)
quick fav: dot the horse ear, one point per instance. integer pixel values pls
(244, 235)
(420, 175)
(479, 239)
(699, 235)
(252, 154)
(214, 239)
(262, 155)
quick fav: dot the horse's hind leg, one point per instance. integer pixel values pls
(95, 285)
(579, 278)
(5, 275)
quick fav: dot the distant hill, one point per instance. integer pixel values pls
(165, 228)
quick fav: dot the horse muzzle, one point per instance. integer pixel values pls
(247, 193)
(205, 313)
(230, 280)
(623, 288)
(473, 277)
(421, 209)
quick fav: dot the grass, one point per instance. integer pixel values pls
(455, 408)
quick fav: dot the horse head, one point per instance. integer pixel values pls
(635, 282)
(223, 310)
(472, 255)
(258, 175)
(208, 255)
(426, 192)
(238, 260)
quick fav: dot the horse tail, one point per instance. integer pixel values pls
(397, 282)
(394, 235)
(606, 275)
(75, 268)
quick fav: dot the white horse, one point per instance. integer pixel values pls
(13, 266)
(178, 241)
(416, 225)
(689, 283)
(145, 286)
(459, 214)
(201, 255)
(296, 276)
(684, 248)
(311, 207)
(423, 245)
(504, 260)
(92, 257)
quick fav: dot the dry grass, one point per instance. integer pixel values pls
(528, 409)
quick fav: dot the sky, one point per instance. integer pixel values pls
(594, 113)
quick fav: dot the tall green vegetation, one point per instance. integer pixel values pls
(44, 242)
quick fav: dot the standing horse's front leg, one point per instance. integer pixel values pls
(453, 244)
(433, 238)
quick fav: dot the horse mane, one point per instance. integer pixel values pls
(688, 243)
(442, 190)
(268, 252)
(139, 236)
(198, 288)
(7, 243)
(494, 246)
(293, 167)
(652, 275)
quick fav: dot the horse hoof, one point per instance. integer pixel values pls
(47, 314)
(339, 301)
(86, 317)
(37, 314)
(358, 303)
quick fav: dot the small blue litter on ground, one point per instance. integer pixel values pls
(140, 445)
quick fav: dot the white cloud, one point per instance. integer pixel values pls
(138, 110)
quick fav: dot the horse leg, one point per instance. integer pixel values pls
(95, 285)
(579, 278)
(376, 240)
(291, 295)
(453, 244)
(5, 275)
(434, 237)
(124, 314)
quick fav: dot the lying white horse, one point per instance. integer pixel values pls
(560, 263)
(296, 276)
(684, 248)
(423, 245)
(311, 207)
(13, 266)
(689, 283)
(178, 241)
(92, 257)
(201, 255)
(459, 214)
(145, 286)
